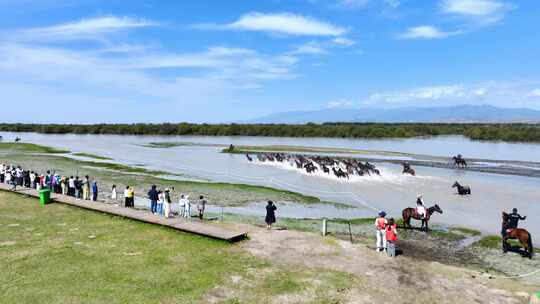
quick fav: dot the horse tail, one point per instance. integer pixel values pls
(530, 245)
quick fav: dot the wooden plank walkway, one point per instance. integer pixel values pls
(191, 226)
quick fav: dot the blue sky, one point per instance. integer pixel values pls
(92, 61)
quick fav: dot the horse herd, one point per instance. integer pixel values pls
(340, 168)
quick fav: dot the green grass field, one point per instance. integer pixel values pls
(62, 254)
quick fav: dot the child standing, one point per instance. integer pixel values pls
(391, 238)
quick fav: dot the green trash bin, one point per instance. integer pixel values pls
(44, 196)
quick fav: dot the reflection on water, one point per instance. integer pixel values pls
(392, 191)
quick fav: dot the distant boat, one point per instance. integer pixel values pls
(17, 139)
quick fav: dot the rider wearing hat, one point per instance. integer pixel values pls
(380, 226)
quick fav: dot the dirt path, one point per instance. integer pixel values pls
(402, 279)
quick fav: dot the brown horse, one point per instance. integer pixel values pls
(522, 235)
(409, 213)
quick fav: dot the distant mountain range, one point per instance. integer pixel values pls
(453, 114)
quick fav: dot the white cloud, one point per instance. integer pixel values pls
(484, 11)
(280, 23)
(309, 49)
(340, 103)
(84, 29)
(534, 93)
(426, 32)
(344, 41)
(511, 93)
(425, 93)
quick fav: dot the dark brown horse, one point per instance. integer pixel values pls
(410, 213)
(522, 235)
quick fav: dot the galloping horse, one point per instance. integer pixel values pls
(459, 161)
(462, 190)
(409, 213)
(520, 234)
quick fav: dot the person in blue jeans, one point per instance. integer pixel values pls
(94, 191)
(153, 196)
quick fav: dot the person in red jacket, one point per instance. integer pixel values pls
(391, 237)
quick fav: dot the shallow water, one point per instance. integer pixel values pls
(392, 192)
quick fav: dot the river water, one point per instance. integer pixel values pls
(492, 193)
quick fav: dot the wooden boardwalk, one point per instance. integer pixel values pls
(211, 230)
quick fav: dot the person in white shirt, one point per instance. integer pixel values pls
(113, 193)
(161, 201)
(187, 207)
(167, 203)
(32, 180)
(71, 186)
(182, 205)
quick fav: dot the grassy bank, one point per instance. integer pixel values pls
(107, 174)
(29, 148)
(89, 155)
(61, 254)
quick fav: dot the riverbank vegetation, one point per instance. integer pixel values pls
(505, 132)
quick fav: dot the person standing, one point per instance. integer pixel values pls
(94, 191)
(201, 206)
(7, 176)
(391, 238)
(167, 203)
(153, 197)
(270, 214)
(86, 188)
(182, 205)
(187, 207)
(380, 228)
(113, 193)
(161, 201)
(63, 185)
(33, 180)
(78, 188)
(71, 186)
(126, 197)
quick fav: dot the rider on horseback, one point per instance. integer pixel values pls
(513, 219)
(420, 208)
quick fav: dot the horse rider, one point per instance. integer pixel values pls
(380, 226)
(420, 208)
(513, 219)
(406, 166)
(512, 223)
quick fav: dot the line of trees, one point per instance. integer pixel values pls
(503, 132)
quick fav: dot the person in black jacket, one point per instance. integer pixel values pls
(513, 219)
(270, 214)
(153, 196)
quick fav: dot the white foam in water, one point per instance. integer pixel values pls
(387, 175)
